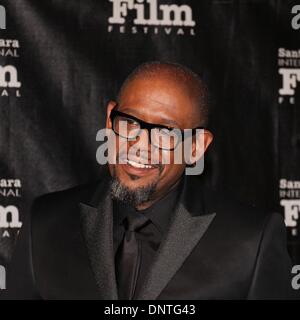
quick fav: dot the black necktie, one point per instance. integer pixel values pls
(128, 257)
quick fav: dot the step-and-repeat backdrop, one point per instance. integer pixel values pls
(62, 60)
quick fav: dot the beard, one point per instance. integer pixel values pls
(133, 197)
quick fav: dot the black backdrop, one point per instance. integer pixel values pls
(70, 60)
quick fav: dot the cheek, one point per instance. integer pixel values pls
(121, 146)
(171, 174)
(174, 169)
(175, 157)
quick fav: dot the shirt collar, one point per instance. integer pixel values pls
(159, 213)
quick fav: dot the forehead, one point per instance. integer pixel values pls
(156, 98)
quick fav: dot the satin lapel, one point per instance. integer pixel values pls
(97, 226)
(184, 233)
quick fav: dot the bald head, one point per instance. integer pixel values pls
(178, 76)
(163, 95)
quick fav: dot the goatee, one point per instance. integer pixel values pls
(133, 197)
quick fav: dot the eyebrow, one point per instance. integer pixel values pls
(165, 121)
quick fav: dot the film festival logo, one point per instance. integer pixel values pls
(10, 188)
(9, 83)
(9, 220)
(151, 17)
(9, 215)
(289, 65)
(289, 69)
(289, 193)
(9, 48)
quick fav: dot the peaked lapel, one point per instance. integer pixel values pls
(188, 224)
(184, 233)
(97, 228)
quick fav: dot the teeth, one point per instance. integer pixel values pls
(139, 165)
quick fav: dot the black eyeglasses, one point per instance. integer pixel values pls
(160, 136)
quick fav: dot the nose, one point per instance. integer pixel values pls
(141, 148)
(141, 143)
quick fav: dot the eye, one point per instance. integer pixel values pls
(132, 122)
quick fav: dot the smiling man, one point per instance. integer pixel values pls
(166, 96)
(147, 230)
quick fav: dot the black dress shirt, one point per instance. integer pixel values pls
(150, 235)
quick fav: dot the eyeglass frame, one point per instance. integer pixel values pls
(146, 125)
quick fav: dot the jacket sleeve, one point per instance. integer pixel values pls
(20, 274)
(272, 276)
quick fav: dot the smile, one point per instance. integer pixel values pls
(139, 165)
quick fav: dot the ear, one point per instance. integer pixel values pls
(200, 143)
(111, 104)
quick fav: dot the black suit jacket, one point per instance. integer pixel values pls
(214, 249)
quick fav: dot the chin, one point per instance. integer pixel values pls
(135, 181)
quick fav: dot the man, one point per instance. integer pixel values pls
(146, 230)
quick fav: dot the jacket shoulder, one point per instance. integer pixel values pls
(76, 194)
(240, 221)
(61, 207)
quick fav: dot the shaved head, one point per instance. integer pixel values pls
(161, 94)
(175, 75)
